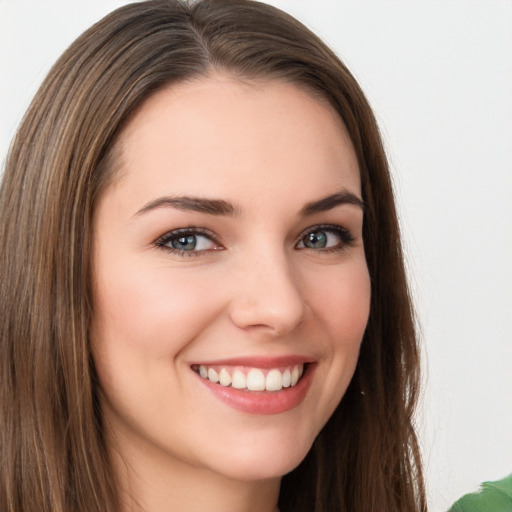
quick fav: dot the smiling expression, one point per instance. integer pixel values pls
(231, 291)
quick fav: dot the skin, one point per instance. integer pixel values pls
(268, 148)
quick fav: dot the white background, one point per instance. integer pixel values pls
(439, 76)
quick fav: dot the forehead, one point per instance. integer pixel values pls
(203, 137)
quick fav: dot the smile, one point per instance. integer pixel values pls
(252, 379)
(258, 385)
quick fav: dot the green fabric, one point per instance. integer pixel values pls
(493, 497)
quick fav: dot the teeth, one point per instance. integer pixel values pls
(224, 377)
(253, 379)
(294, 379)
(213, 376)
(239, 380)
(274, 380)
(287, 378)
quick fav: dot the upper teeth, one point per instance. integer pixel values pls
(253, 379)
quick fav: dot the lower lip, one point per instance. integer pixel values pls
(263, 402)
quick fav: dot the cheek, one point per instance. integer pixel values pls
(343, 303)
(341, 308)
(144, 319)
(146, 308)
(347, 316)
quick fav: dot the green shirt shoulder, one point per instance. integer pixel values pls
(492, 497)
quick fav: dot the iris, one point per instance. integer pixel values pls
(185, 243)
(315, 240)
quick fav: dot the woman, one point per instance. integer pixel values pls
(193, 310)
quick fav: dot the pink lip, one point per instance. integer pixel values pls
(259, 362)
(263, 402)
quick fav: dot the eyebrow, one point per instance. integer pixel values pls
(330, 202)
(221, 207)
(194, 204)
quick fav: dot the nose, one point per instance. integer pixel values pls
(267, 296)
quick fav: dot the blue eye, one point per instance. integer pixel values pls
(188, 240)
(185, 243)
(316, 240)
(326, 237)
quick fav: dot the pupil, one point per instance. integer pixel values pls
(186, 243)
(316, 240)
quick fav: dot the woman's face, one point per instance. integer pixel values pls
(228, 248)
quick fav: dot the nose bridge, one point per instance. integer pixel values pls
(267, 292)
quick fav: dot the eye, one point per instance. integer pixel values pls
(187, 240)
(326, 238)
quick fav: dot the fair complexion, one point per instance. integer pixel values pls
(230, 241)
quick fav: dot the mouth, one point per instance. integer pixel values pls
(258, 386)
(251, 378)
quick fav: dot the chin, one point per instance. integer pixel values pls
(270, 461)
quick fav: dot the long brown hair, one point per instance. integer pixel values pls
(52, 445)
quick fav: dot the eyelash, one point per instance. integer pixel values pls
(346, 239)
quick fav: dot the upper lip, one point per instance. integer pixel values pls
(263, 362)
